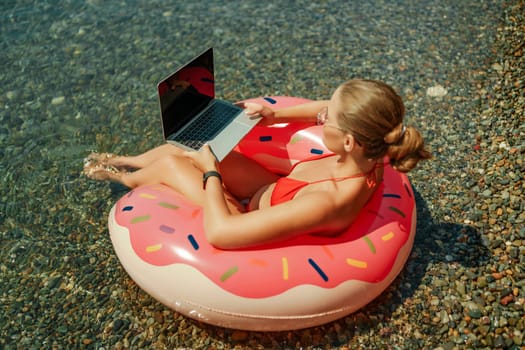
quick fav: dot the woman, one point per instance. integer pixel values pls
(363, 122)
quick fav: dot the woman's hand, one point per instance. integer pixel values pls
(204, 159)
(255, 109)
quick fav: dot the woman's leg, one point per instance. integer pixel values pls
(142, 160)
(175, 171)
(242, 176)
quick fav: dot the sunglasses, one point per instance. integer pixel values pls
(322, 118)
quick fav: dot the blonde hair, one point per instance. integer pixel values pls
(373, 113)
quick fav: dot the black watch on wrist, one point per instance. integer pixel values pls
(209, 174)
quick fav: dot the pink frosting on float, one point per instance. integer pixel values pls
(166, 229)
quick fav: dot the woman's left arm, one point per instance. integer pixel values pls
(316, 212)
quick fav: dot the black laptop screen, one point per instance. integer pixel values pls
(186, 92)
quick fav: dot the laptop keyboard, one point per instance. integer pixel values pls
(207, 125)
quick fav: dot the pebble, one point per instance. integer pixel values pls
(54, 282)
(58, 100)
(11, 95)
(436, 91)
(117, 325)
(473, 310)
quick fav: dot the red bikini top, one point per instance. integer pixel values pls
(286, 188)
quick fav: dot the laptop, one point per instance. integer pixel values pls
(192, 116)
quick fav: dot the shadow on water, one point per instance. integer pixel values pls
(447, 242)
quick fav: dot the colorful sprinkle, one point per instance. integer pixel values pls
(318, 269)
(295, 139)
(265, 138)
(316, 151)
(258, 262)
(408, 190)
(396, 210)
(388, 236)
(230, 272)
(166, 229)
(168, 205)
(127, 208)
(193, 242)
(153, 248)
(370, 244)
(328, 252)
(138, 219)
(285, 268)
(147, 196)
(271, 100)
(391, 195)
(357, 263)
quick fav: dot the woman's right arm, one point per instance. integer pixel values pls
(306, 112)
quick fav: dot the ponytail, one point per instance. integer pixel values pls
(407, 150)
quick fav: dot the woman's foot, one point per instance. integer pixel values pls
(103, 173)
(108, 160)
(100, 158)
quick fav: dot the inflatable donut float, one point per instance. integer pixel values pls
(305, 281)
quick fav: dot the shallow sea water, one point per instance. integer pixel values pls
(79, 76)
